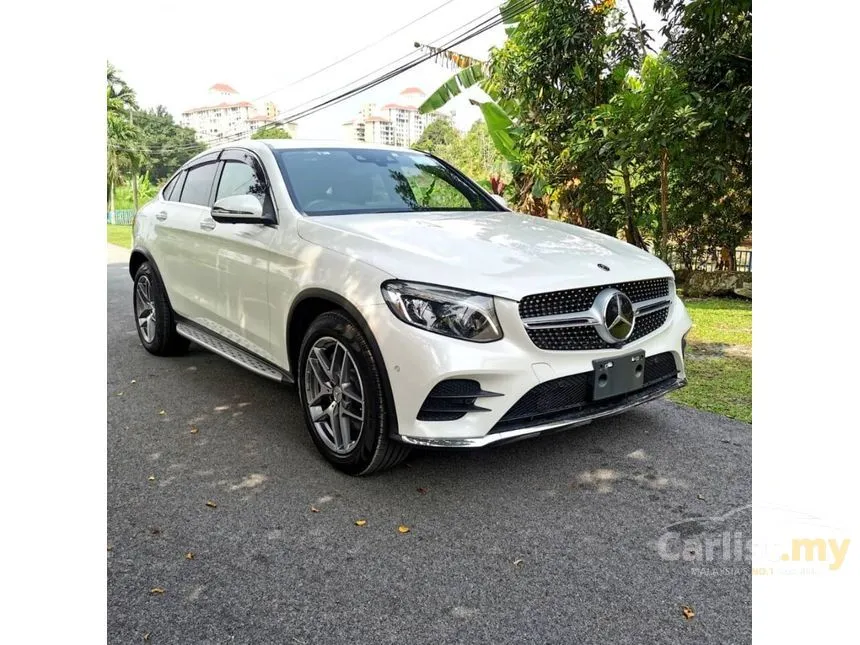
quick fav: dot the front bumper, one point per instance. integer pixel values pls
(417, 360)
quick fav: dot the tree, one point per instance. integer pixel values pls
(437, 135)
(271, 132)
(169, 145)
(125, 152)
(710, 46)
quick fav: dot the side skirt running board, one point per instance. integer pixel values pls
(230, 351)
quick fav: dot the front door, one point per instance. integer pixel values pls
(235, 259)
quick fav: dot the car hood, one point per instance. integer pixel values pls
(497, 253)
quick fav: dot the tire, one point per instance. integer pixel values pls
(335, 347)
(157, 334)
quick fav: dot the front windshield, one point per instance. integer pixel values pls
(343, 181)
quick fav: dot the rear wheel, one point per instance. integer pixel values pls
(340, 387)
(156, 327)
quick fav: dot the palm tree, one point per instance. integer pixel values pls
(124, 141)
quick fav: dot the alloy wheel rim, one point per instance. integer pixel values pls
(334, 395)
(145, 308)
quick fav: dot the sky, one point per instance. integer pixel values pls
(173, 52)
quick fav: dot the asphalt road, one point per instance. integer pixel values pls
(551, 540)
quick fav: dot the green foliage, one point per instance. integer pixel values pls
(124, 196)
(271, 132)
(125, 150)
(168, 144)
(599, 134)
(710, 45)
(438, 135)
(472, 153)
(462, 80)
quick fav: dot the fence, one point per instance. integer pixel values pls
(120, 217)
(743, 262)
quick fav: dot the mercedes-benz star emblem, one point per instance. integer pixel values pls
(617, 314)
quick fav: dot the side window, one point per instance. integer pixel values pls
(198, 184)
(241, 179)
(174, 188)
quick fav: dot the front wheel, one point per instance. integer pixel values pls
(340, 388)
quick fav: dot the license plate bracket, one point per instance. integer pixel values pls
(618, 375)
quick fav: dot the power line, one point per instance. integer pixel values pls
(484, 25)
(356, 52)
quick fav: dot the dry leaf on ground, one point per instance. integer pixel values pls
(518, 562)
(422, 490)
(162, 412)
(156, 590)
(403, 529)
(194, 430)
(688, 612)
(189, 556)
(151, 478)
(211, 504)
(360, 522)
(314, 509)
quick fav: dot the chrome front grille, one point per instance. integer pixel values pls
(562, 320)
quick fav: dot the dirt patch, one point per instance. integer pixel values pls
(697, 351)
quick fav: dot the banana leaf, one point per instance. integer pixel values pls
(460, 81)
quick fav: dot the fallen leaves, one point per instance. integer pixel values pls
(151, 478)
(422, 490)
(360, 522)
(211, 504)
(314, 509)
(162, 413)
(189, 555)
(156, 591)
(518, 562)
(403, 529)
(146, 636)
(133, 381)
(119, 393)
(688, 612)
(194, 430)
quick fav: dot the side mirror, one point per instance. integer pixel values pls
(501, 201)
(238, 209)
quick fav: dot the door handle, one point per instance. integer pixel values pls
(207, 224)
(161, 216)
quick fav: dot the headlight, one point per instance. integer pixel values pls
(451, 312)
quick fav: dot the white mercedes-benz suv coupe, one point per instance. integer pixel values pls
(409, 306)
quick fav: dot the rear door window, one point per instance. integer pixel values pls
(174, 188)
(198, 184)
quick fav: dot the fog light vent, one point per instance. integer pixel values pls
(453, 399)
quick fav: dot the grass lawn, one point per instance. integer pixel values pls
(719, 358)
(119, 235)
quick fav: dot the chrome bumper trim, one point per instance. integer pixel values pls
(522, 433)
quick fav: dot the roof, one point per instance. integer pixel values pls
(220, 106)
(376, 118)
(261, 117)
(223, 87)
(282, 144)
(396, 106)
(413, 90)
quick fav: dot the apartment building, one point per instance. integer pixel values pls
(224, 115)
(398, 123)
